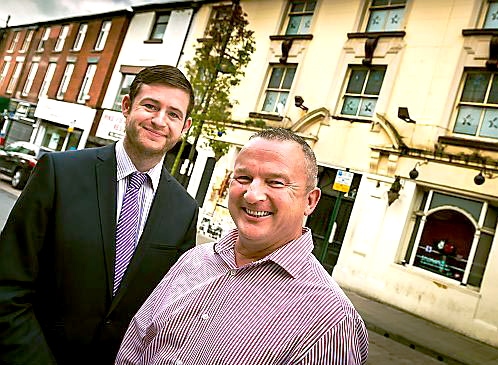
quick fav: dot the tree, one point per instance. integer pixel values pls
(218, 66)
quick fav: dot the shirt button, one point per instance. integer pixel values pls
(205, 316)
(178, 362)
(233, 272)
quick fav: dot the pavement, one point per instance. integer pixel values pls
(443, 344)
(447, 346)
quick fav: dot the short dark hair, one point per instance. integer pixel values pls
(282, 134)
(163, 75)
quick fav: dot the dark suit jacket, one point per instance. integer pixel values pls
(57, 260)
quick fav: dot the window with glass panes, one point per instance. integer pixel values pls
(27, 40)
(160, 25)
(279, 85)
(49, 74)
(123, 90)
(31, 77)
(478, 105)
(83, 95)
(386, 15)
(15, 40)
(491, 18)
(44, 38)
(363, 90)
(65, 80)
(3, 73)
(102, 37)
(59, 44)
(300, 15)
(80, 37)
(452, 236)
(14, 78)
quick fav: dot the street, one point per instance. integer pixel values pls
(382, 350)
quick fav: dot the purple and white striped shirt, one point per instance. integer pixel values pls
(282, 309)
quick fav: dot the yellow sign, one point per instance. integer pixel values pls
(343, 181)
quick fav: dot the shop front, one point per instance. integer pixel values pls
(62, 126)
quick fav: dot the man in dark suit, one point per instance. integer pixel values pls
(60, 302)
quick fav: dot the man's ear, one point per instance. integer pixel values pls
(126, 105)
(187, 124)
(313, 198)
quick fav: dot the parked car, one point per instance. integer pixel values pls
(17, 160)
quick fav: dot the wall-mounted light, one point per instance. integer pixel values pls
(414, 172)
(481, 177)
(404, 115)
(298, 101)
(393, 192)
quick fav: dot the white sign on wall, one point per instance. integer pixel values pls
(111, 125)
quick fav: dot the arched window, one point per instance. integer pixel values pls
(452, 237)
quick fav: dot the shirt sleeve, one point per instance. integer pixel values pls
(344, 344)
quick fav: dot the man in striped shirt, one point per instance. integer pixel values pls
(257, 296)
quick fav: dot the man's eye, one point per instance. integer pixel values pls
(242, 179)
(150, 106)
(276, 183)
(174, 115)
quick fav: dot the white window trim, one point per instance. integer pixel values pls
(15, 40)
(103, 34)
(27, 41)
(49, 74)
(31, 77)
(59, 45)
(14, 78)
(5, 70)
(80, 37)
(83, 95)
(65, 81)
(44, 38)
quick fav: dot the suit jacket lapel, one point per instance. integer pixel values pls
(106, 197)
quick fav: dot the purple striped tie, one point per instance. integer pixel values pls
(127, 227)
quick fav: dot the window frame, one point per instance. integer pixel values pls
(80, 37)
(478, 220)
(45, 37)
(47, 79)
(14, 41)
(105, 29)
(33, 69)
(4, 71)
(66, 78)
(375, 9)
(362, 95)
(156, 25)
(61, 39)
(14, 79)
(302, 30)
(27, 40)
(484, 107)
(278, 90)
(119, 96)
(489, 4)
(83, 94)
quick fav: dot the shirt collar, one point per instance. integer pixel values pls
(291, 257)
(126, 167)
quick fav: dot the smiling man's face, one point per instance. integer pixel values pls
(155, 119)
(268, 198)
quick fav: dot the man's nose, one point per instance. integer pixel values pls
(255, 192)
(159, 118)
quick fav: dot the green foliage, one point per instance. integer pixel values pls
(218, 66)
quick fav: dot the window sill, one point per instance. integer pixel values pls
(284, 37)
(153, 41)
(464, 142)
(351, 119)
(481, 31)
(266, 116)
(392, 34)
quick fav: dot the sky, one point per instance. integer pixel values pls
(33, 11)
